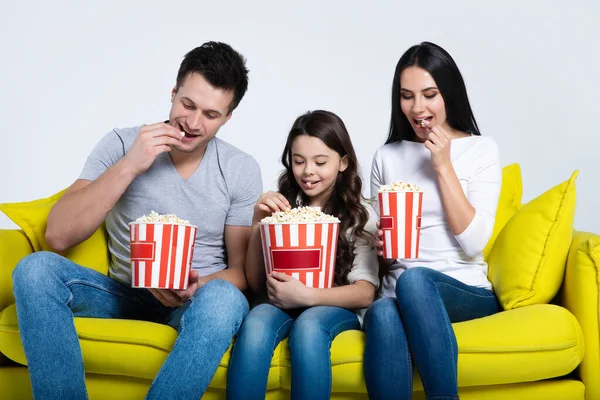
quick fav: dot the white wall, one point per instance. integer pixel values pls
(70, 72)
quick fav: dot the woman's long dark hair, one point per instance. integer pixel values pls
(345, 200)
(442, 68)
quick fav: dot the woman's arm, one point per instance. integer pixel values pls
(470, 216)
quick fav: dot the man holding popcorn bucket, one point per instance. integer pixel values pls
(174, 167)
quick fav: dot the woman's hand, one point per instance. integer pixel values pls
(438, 144)
(269, 203)
(379, 240)
(288, 292)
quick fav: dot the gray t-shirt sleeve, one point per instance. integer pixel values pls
(107, 152)
(246, 190)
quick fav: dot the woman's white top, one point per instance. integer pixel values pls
(477, 165)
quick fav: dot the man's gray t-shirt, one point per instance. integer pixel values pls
(222, 191)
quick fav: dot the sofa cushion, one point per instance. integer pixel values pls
(32, 216)
(527, 261)
(509, 202)
(526, 344)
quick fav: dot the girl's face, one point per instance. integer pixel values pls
(316, 167)
(421, 100)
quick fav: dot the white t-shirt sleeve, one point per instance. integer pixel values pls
(365, 266)
(376, 181)
(483, 192)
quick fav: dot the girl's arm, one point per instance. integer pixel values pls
(268, 203)
(288, 292)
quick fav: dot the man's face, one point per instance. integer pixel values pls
(199, 110)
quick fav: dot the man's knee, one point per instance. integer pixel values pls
(382, 312)
(224, 298)
(33, 270)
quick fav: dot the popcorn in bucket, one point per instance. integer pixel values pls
(400, 219)
(301, 242)
(162, 249)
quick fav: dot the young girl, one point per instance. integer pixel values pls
(434, 142)
(321, 170)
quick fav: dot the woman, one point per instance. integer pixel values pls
(434, 142)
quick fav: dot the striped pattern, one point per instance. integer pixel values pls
(161, 255)
(305, 251)
(400, 219)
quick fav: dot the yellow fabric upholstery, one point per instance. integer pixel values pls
(529, 352)
(508, 203)
(31, 217)
(581, 294)
(527, 262)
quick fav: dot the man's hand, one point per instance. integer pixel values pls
(288, 292)
(176, 298)
(150, 141)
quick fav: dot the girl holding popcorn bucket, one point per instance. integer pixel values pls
(321, 171)
(434, 142)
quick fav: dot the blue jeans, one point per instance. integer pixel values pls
(50, 290)
(418, 323)
(311, 334)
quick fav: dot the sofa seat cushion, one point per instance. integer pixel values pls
(521, 345)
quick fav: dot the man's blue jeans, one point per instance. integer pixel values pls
(50, 290)
(418, 323)
(311, 334)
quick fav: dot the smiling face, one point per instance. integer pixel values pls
(199, 110)
(421, 101)
(316, 167)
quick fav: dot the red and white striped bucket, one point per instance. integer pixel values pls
(305, 251)
(161, 254)
(400, 221)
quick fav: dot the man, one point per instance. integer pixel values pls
(179, 167)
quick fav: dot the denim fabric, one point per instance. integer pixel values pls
(310, 336)
(50, 290)
(416, 326)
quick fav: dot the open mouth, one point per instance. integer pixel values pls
(310, 185)
(422, 122)
(186, 134)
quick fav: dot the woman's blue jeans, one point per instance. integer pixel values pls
(50, 290)
(417, 323)
(310, 337)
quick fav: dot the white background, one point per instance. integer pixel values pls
(71, 71)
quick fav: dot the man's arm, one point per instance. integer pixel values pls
(85, 205)
(236, 242)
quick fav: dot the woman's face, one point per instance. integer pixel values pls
(421, 101)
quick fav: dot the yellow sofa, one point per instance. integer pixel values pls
(545, 350)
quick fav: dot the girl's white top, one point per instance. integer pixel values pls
(477, 165)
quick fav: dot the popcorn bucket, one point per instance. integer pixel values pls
(305, 251)
(161, 254)
(400, 221)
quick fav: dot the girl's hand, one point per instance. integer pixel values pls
(438, 144)
(269, 203)
(287, 292)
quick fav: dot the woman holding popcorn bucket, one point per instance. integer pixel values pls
(434, 142)
(321, 172)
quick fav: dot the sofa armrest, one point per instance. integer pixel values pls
(580, 294)
(14, 245)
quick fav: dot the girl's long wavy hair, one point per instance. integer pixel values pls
(345, 199)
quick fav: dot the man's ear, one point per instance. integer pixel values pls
(173, 93)
(343, 163)
(228, 117)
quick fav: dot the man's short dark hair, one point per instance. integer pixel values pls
(220, 65)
